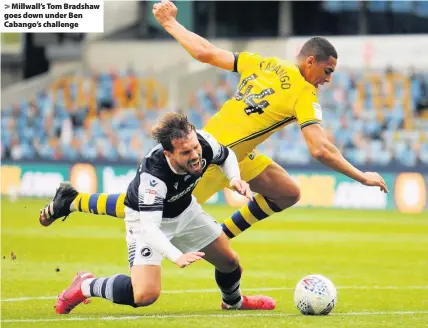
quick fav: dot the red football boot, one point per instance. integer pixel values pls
(73, 296)
(253, 303)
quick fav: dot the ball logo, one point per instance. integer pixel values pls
(146, 252)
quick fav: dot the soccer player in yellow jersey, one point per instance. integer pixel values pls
(272, 93)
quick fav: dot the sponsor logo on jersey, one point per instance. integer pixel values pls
(150, 196)
(184, 192)
(318, 111)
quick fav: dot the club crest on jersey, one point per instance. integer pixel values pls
(176, 185)
(146, 252)
(153, 183)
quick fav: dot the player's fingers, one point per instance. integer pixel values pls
(244, 187)
(386, 186)
(172, 5)
(237, 188)
(382, 184)
(386, 189)
(193, 259)
(194, 256)
(199, 253)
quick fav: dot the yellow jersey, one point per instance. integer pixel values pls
(271, 94)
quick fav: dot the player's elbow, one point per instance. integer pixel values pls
(320, 152)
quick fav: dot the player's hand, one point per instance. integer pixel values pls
(241, 187)
(374, 179)
(188, 258)
(165, 12)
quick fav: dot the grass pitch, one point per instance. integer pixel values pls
(377, 260)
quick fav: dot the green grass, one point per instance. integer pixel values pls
(378, 261)
(10, 38)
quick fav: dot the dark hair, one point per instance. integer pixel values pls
(172, 126)
(318, 47)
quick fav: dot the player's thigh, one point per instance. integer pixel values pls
(275, 183)
(253, 165)
(145, 266)
(212, 181)
(144, 262)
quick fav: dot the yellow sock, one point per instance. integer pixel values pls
(102, 204)
(256, 210)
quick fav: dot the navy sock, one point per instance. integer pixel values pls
(229, 284)
(117, 289)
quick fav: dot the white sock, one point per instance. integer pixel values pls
(86, 287)
(235, 306)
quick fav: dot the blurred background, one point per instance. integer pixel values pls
(80, 107)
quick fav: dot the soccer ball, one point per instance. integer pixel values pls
(315, 295)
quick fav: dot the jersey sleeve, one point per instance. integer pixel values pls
(308, 111)
(151, 193)
(220, 152)
(245, 61)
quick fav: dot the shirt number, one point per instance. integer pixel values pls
(249, 98)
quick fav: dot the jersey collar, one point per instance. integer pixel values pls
(172, 169)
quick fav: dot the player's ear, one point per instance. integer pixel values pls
(310, 61)
(168, 154)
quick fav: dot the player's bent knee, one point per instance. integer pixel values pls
(145, 298)
(288, 196)
(231, 263)
(295, 194)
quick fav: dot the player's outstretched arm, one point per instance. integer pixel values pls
(324, 151)
(198, 47)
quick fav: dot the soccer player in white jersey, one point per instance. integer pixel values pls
(164, 220)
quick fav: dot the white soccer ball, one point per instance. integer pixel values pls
(315, 295)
